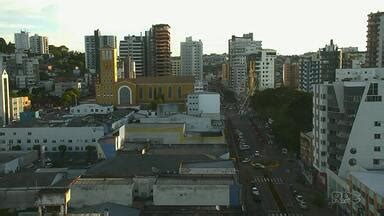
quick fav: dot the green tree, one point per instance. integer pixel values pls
(16, 148)
(62, 149)
(23, 92)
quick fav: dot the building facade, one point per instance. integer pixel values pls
(39, 44)
(191, 53)
(309, 71)
(134, 47)
(238, 49)
(19, 105)
(351, 57)
(5, 107)
(158, 50)
(93, 43)
(260, 70)
(330, 60)
(291, 75)
(375, 40)
(203, 104)
(176, 66)
(142, 90)
(22, 41)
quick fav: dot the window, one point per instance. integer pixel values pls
(77, 148)
(323, 119)
(160, 91)
(29, 133)
(141, 93)
(2, 133)
(70, 148)
(377, 136)
(53, 141)
(323, 131)
(179, 92)
(85, 140)
(373, 89)
(376, 148)
(44, 140)
(323, 164)
(352, 162)
(96, 110)
(376, 161)
(93, 140)
(28, 141)
(377, 124)
(155, 92)
(53, 148)
(36, 141)
(170, 92)
(70, 141)
(91, 110)
(323, 153)
(353, 150)
(18, 141)
(150, 92)
(14, 133)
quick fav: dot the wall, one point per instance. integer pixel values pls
(12, 166)
(69, 136)
(204, 195)
(93, 194)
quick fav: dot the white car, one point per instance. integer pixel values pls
(255, 191)
(258, 165)
(246, 160)
(257, 154)
(300, 199)
(244, 147)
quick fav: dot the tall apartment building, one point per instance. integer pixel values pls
(158, 50)
(330, 60)
(5, 110)
(19, 105)
(191, 53)
(176, 66)
(347, 126)
(22, 41)
(351, 57)
(134, 46)
(39, 44)
(23, 70)
(309, 71)
(291, 74)
(93, 44)
(238, 49)
(375, 40)
(260, 70)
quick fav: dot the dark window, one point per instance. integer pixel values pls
(28, 141)
(377, 136)
(53, 141)
(377, 124)
(376, 161)
(36, 141)
(29, 133)
(70, 148)
(70, 141)
(373, 89)
(44, 140)
(376, 148)
(141, 93)
(18, 141)
(179, 92)
(170, 92)
(150, 92)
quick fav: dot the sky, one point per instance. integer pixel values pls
(288, 26)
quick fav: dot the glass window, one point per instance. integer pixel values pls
(141, 93)
(377, 124)
(376, 148)
(150, 92)
(170, 92)
(377, 136)
(179, 92)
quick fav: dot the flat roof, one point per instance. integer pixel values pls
(194, 180)
(27, 179)
(374, 180)
(9, 156)
(209, 164)
(102, 181)
(132, 164)
(157, 125)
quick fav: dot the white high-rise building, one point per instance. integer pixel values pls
(133, 46)
(22, 41)
(348, 126)
(39, 44)
(239, 48)
(92, 47)
(191, 54)
(5, 109)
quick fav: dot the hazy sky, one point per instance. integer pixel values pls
(289, 26)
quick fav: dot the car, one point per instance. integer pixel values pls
(299, 198)
(284, 151)
(257, 154)
(303, 205)
(246, 160)
(257, 165)
(255, 194)
(244, 147)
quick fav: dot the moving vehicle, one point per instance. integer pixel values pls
(244, 147)
(257, 154)
(255, 194)
(257, 165)
(299, 199)
(303, 205)
(246, 160)
(284, 151)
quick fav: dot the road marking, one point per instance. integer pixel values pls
(274, 180)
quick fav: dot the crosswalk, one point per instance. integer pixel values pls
(263, 180)
(284, 214)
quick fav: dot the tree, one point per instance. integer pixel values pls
(16, 148)
(62, 149)
(90, 151)
(23, 92)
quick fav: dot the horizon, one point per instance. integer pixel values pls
(66, 24)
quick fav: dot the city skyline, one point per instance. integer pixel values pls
(66, 24)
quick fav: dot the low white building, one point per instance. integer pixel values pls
(363, 74)
(94, 191)
(204, 104)
(87, 109)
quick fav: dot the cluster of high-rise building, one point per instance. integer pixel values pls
(344, 151)
(36, 44)
(149, 54)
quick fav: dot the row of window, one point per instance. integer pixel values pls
(18, 141)
(69, 148)
(154, 92)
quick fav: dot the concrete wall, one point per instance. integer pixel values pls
(143, 186)
(93, 194)
(12, 166)
(204, 195)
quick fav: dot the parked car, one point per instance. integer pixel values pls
(246, 160)
(299, 198)
(257, 165)
(257, 154)
(256, 194)
(244, 147)
(284, 151)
